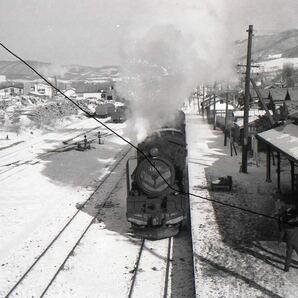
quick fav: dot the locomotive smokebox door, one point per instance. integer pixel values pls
(154, 177)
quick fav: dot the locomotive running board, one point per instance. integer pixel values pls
(156, 233)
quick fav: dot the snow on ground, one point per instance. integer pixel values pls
(236, 254)
(275, 64)
(36, 200)
(103, 264)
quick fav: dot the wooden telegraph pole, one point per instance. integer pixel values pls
(214, 111)
(246, 102)
(202, 102)
(198, 99)
(214, 105)
(226, 116)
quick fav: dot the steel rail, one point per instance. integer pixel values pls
(136, 268)
(81, 237)
(169, 260)
(116, 164)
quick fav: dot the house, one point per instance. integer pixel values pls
(277, 97)
(11, 89)
(94, 91)
(220, 112)
(291, 100)
(265, 96)
(89, 91)
(257, 122)
(239, 114)
(38, 89)
(290, 104)
(70, 92)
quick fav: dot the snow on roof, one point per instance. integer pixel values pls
(37, 94)
(251, 119)
(251, 113)
(119, 104)
(207, 99)
(220, 106)
(283, 138)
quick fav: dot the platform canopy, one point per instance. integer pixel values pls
(283, 139)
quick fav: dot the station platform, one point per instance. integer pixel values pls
(235, 254)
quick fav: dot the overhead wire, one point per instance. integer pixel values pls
(138, 150)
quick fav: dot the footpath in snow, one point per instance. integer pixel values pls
(236, 254)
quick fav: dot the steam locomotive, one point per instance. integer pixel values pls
(158, 206)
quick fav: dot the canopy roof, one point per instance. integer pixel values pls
(283, 139)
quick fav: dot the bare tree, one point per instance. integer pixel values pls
(288, 74)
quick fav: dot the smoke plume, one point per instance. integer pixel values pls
(163, 62)
(52, 70)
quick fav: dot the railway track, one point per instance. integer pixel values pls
(152, 270)
(30, 144)
(47, 265)
(15, 164)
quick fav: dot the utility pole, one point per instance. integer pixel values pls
(226, 116)
(246, 102)
(198, 98)
(214, 105)
(203, 98)
(203, 103)
(214, 112)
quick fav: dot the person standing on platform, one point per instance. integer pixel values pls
(289, 232)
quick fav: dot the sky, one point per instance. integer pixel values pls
(99, 32)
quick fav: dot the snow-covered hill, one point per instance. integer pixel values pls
(17, 70)
(266, 47)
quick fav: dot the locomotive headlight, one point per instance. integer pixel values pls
(154, 151)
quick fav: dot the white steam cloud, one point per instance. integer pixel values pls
(52, 70)
(163, 62)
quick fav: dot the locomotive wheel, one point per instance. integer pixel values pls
(150, 181)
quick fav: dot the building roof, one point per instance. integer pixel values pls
(264, 93)
(240, 113)
(251, 120)
(7, 84)
(207, 100)
(38, 94)
(220, 106)
(283, 139)
(293, 93)
(89, 88)
(219, 101)
(278, 94)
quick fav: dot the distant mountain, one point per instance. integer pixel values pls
(265, 47)
(17, 70)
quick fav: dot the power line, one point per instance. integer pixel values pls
(140, 151)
